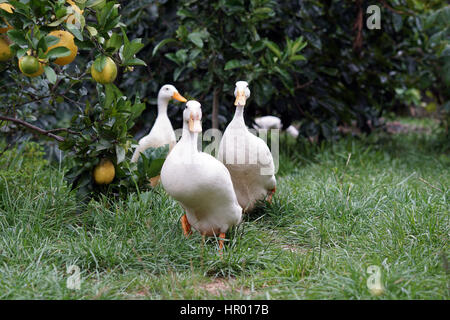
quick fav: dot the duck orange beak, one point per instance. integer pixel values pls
(194, 123)
(179, 97)
(240, 99)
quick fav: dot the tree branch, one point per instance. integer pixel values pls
(386, 5)
(48, 133)
(63, 130)
(301, 86)
(358, 26)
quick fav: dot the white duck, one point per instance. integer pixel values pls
(162, 132)
(272, 122)
(199, 182)
(247, 157)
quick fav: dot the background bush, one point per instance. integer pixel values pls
(345, 74)
(341, 79)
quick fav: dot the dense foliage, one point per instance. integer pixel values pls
(58, 102)
(350, 73)
(312, 63)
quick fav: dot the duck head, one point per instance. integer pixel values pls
(192, 115)
(242, 93)
(168, 92)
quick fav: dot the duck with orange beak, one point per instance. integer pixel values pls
(162, 132)
(200, 183)
(247, 157)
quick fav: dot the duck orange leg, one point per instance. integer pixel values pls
(154, 181)
(221, 240)
(272, 192)
(186, 226)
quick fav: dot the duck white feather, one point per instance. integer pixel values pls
(247, 157)
(199, 182)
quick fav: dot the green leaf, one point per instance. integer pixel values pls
(92, 31)
(171, 56)
(17, 37)
(105, 13)
(177, 73)
(263, 11)
(21, 7)
(131, 48)
(50, 74)
(155, 168)
(273, 47)
(120, 153)
(182, 55)
(115, 41)
(232, 64)
(61, 12)
(161, 44)
(58, 22)
(42, 44)
(103, 144)
(21, 52)
(100, 63)
(58, 52)
(299, 44)
(183, 13)
(51, 40)
(93, 3)
(135, 62)
(75, 31)
(110, 95)
(196, 38)
(297, 57)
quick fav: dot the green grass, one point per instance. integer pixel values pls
(339, 208)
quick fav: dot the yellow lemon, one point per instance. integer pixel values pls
(108, 74)
(5, 50)
(8, 8)
(65, 40)
(104, 172)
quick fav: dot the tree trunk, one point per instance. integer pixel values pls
(215, 109)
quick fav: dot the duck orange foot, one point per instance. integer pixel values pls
(221, 240)
(272, 192)
(186, 226)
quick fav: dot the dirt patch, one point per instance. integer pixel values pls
(220, 286)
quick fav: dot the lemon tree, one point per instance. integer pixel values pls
(60, 60)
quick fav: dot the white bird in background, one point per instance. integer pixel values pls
(247, 157)
(162, 132)
(272, 122)
(200, 183)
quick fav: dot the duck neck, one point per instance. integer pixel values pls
(239, 115)
(189, 138)
(162, 107)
